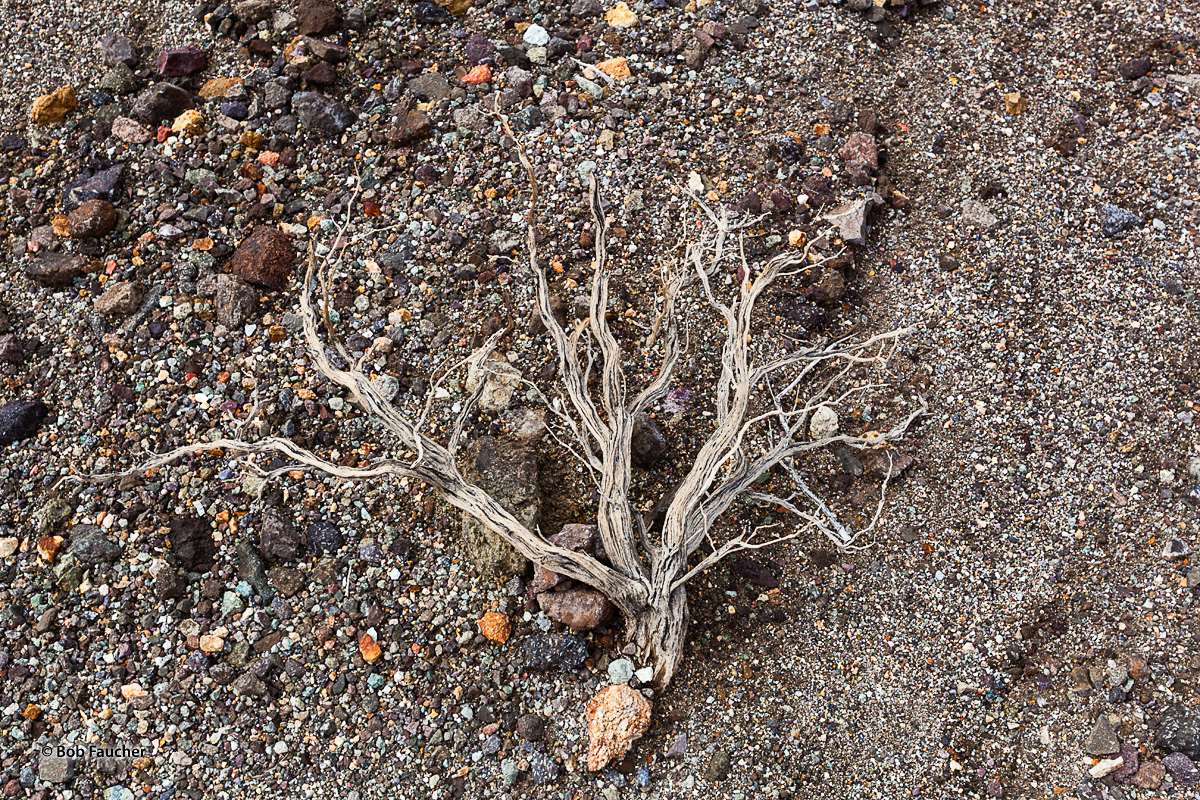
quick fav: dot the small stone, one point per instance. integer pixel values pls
(495, 627)
(431, 85)
(531, 727)
(500, 381)
(850, 219)
(621, 671)
(181, 61)
(54, 107)
(20, 419)
(1115, 220)
(995, 788)
(279, 541)
(861, 156)
(619, 16)
(478, 75)
(321, 114)
(324, 538)
(119, 80)
(90, 546)
(249, 685)
(159, 102)
(55, 769)
(1176, 549)
(55, 270)
(265, 258)
(616, 67)
(130, 131)
(414, 125)
(543, 652)
(1150, 776)
(1129, 763)
(1135, 68)
(93, 219)
(192, 543)
(190, 123)
(117, 49)
(318, 17)
(617, 716)
(1182, 769)
(119, 299)
(649, 445)
(1015, 103)
(1102, 741)
(718, 766)
(1179, 731)
(1105, 766)
(234, 301)
(824, 423)
(976, 213)
(253, 12)
(580, 609)
(369, 648)
(8, 546)
(536, 36)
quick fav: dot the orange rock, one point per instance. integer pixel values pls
(189, 122)
(51, 108)
(252, 140)
(619, 16)
(369, 649)
(481, 74)
(211, 643)
(132, 690)
(268, 158)
(1015, 103)
(615, 67)
(31, 712)
(217, 87)
(616, 716)
(48, 547)
(495, 627)
(59, 224)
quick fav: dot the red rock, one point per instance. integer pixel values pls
(317, 17)
(478, 75)
(412, 126)
(369, 649)
(576, 537)
(616, 716)
(861, 156)
(181, 61)
(265, 258)
(95, 218)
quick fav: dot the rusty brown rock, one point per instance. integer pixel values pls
(119, 299)
(580, 609)
(55, 270)
(861, 156)
(265, 258)
(412, 126)
(576, 537)
(93, 219)
(617, 716)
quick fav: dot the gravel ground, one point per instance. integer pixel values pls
(1026, 608)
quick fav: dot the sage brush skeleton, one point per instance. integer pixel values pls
(758, 428)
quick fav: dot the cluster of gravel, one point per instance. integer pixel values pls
(1026, 613)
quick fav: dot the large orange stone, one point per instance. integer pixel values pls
(617, 716)
(369, 649)
(495, 627)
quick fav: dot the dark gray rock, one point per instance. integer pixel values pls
(279, 540)
(20, 419)
(321, 114)
(324, 538)
(509, 473)
(1115, 220)
(432, 86)
(117, 49)
(91, 546)
(234, 301)
(250, 686)
(542, 652)
(55, 270)
(162, 101)
(252, 569)
(531, 726)
(1179, 732)
(192, 542)
(649, 442)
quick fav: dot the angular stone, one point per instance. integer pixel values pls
(119, 299)
(318, 17)
(179, 62)
(279, 540)
(850, 219)
(55, 270)
(117, 49)
(1102, 741)
(265, 258)
(1150, 776)
(509, 473)
(649, 444)
(20, 419)
(249, 686)
(977, 214)
(861, 156)
(542, 652)
(1182, 769)
(93, 219)
(580, 609)
(160, 102)
(1179, 731)
(575, 537)
(431, 85)
(1115, 220)
(253, 12)
(192, 543)
(91, 546)
(495, 627)
(411, 127)
(102, 185)
(119, 80)
(617, 716)
(53, 107)
(321, 114)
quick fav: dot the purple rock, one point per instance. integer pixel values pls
(1129, 768)
(478, 48)
(1182, 769)
(181, 61)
